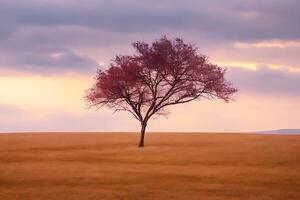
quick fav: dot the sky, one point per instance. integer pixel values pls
(50, 51)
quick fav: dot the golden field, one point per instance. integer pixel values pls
(212, 166)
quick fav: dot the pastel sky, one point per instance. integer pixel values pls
(50, 51)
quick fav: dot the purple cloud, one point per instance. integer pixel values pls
(31, 31)
(266, 81)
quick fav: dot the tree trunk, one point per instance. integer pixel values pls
(143, 130)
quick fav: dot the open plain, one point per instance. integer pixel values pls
(208, 166)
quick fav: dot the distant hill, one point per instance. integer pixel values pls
(281, 131)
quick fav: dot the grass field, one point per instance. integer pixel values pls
(171, 166)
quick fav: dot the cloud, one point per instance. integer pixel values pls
(244, 19)
(268, 44)
(266, 81)
(49, 61)
(43, 50)
(89, 32)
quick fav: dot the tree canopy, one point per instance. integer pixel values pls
(165, 73)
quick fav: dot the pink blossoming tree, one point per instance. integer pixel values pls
(165, 73)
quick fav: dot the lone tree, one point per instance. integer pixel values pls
(166, 73)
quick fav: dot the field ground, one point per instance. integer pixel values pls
(171, 166)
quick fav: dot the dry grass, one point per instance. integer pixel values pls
(171, 166)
